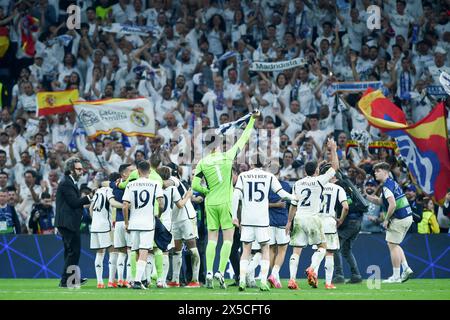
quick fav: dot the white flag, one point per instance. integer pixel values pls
(129, 116)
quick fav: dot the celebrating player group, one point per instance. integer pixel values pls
(153, 214)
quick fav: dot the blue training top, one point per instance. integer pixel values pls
(118, 194)
(402, 207)
(278, 217)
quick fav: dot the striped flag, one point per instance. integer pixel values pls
(423, 146)
(53, 102)
(229, 127)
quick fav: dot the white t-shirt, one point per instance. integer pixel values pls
(186, 212)
(101, 214)
(400, 23)
(319, 136)
(208, 100)
(253, 188)
(309, 191)
(296, 121)
(169, 204)
(331, 195)
(142, 194)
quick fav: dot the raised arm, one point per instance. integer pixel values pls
(234, 151)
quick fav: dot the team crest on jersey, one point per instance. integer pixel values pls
(139, 118)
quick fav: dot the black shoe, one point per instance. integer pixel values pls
(338, 280)
(62, 285)
(145, 283)
(138, 285)
(354, 280)
(83, 281)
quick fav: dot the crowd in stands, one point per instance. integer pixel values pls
(179, 65)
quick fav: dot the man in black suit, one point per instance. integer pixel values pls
(69, 211)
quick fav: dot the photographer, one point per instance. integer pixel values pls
(42, 216)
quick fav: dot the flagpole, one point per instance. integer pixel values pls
(90, 142)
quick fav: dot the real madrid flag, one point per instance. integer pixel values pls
(131, 117)
(53, 102)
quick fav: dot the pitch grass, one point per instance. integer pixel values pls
(47, 289)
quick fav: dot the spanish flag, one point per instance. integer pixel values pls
(423, 146)
(53, 102)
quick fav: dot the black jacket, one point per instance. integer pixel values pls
(69, 205)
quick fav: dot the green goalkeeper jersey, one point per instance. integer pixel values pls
(216, 168)
(154, 176)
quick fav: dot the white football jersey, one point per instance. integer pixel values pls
(188, 211)
(166, 215)
(101, 216)
(332, 194)
(254, 186)
(142, 194)
(308, 191)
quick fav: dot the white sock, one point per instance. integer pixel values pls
(149, 267)
(276, 272)
(396, 272)
(405, 265)
(329, 269)
(293, 266)
(99, 266)
(243, 264)
(121, 265)
(112, 265)
(165, 266)
(317, 258)
(176, 266)
(265, 264)
(140, 269)
(254, 263)
(195, 259)
(128, 265)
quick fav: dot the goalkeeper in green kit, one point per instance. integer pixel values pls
(216, 169)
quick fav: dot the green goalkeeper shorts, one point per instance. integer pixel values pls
(219, 216)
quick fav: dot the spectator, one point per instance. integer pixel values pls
(42, 216)
(372, 219)
(444, 214)
(416, 207)
(429, 223)
(9, 221)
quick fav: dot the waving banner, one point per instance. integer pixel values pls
(131, 117)
(423, 146)
(53, 102)
(277, 66)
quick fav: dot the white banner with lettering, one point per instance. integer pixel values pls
(277, 66)
(131, 117)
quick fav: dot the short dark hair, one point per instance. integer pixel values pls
(114, 176)
(5, 173)
(32, 172)
(324, 168)
(382, 166)
(45, 195)
(143, 166)
(164, 172)
(123, 167)
(310, 168)
(3, 152)
(155, 160)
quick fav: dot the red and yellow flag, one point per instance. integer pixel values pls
(53, 102)
(423, 146)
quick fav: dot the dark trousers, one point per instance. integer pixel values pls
(235, 256)
(72, 249)
(348, 233)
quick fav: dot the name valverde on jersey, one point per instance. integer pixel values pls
(142, 194)
(253, 189)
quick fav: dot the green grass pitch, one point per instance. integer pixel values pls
(47, 289)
